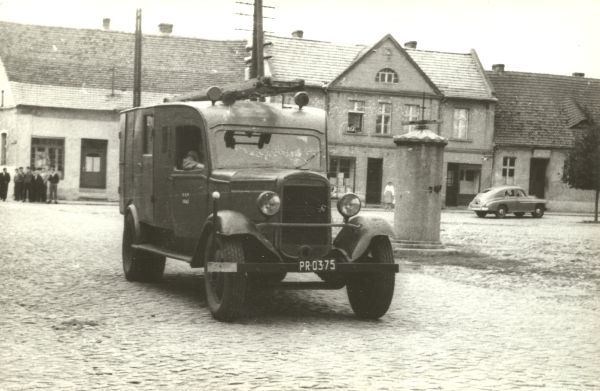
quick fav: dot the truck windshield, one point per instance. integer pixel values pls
(235, 148)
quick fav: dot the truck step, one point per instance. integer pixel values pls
(162, 251)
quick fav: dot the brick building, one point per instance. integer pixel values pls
(62, 89)
(537, 118)
(371, 92)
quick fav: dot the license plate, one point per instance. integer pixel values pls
(317, 265)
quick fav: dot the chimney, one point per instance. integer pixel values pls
(498, 69)
(578, 74)
(106, 23)
(410, 45)
(165, 28)
(298, 34)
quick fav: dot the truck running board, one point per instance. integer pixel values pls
(161, 251)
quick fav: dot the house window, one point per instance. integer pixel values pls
(386, 75)
(47, 153)
(355, 116)
(461, 124)
(411, 113)
(384, 115)
(508, 170)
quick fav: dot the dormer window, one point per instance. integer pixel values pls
(387, 75)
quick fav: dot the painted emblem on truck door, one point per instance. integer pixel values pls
(185, 198)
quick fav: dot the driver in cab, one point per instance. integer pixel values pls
(191, 161)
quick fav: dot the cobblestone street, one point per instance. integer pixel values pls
(517, 307)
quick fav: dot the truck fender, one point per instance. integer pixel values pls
(230, 223)
(132, 210)
(355, 241)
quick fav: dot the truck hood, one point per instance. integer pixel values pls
(260, 174)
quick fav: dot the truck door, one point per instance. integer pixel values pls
(143, 164)
(188, 180)
(164, 163)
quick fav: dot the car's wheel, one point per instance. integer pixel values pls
(139, 265)
(538, 212)
(225, 292)
(481, 214)
(519, 214)
(501, 212)
(370, 294)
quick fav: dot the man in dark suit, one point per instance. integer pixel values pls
(18, 179)
(27, 185)
(4, 181)
(53, 180)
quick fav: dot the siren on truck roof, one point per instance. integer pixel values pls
(256, 88)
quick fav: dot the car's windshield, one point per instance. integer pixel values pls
(238, 148)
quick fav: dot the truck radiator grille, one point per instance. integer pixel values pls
(305, 204)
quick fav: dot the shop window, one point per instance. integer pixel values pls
(341, 175)
(508, 170)
(47, 153)
(384, 116)
(355, 116)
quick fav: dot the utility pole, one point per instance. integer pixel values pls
(137, 61)
(257, 67)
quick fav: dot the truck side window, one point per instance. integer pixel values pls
(188, 141)
(148, 136)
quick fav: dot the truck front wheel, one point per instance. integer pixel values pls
(139, 265)
(371, 294)
(225, 292)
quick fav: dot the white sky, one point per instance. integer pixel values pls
(544, 36)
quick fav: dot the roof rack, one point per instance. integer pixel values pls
(249, 89)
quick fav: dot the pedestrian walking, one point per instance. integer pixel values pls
(4, 181)
(388, 196)
(18, 180)
(27, 184)
(53, 180)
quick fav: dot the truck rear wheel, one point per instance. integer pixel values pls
(225, 292)
(371, 294)
(139, 265)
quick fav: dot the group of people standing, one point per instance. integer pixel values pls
(31, 185)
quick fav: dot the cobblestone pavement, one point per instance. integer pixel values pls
(518, 309)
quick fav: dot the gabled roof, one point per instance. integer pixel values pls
(77, 65)
(541, 110)
(388, 37)
(317, 62)
(456, 75)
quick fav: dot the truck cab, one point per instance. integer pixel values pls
(239, 188)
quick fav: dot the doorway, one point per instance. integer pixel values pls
(374, 180)
(452, 184)
(93, 164)
(537, 177)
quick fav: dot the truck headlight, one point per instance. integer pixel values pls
(268, 203)
(349, 205)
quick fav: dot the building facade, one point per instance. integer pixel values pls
(62, 90)
(371, 93)
(537, 119)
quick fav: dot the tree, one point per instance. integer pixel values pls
(582, 165)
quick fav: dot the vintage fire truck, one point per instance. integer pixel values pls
(238, 187)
